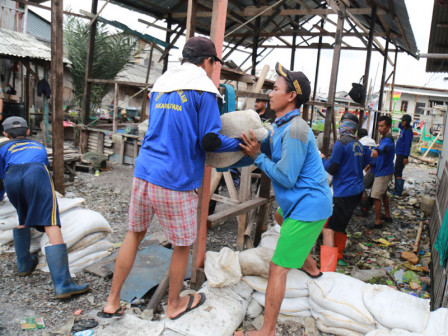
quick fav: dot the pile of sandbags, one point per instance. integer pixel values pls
(84, 231)
(340, 304)
(233, 125)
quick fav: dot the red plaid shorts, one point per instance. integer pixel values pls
(176, 211)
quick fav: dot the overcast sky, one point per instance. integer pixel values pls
(352, 63)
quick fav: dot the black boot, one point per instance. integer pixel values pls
(64, 286)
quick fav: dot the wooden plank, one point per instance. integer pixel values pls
(243, 196)
(216, 178)
(238, 209)
(115, 117)
(230, 186)
(191, 18)
(225, 200)
(122, 147)
(57, 69)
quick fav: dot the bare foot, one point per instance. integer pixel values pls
(181, 305)
(111, 307)
(246, 333)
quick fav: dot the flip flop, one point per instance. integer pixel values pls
(387, 219)
(190, 303)
(311, 276)
(119, 313)
(244, 332)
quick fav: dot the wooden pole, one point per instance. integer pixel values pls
(217, 31)
(432, 144)
(115, 118)
(57, 71)
(45, 131)
(293, 51)
(27, 97)
(255, 47)
(89, 63)
(383, 81)
(146, 91)
(316, 76)
(167, 40)
(191, 18)
(367, 68)
(333, 79)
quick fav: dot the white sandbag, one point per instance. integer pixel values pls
(88, 260)
(269, 239)
(65, 203)
(394, 309)
(341, 294)
(222, 268)
(255, 261)
(233, 125)
(6, 208)
(254, 309)
(296, 284)
(437, 323)
(336, 331)
(102, 245)
(88, 240)
(9, 223)
(78, 223)
(393, 332)
(336, 320)
(290, 306)
(6, 237)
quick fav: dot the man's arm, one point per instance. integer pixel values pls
(332, 165)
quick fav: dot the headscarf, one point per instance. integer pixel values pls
(347, 127)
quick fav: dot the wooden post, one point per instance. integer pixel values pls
(115, 118)
(367, 68)
(333, 79)
(255, 47)
(45, 131)
(146, 91)
(316, 76)
(89, 63)
(27, 97)
(167, 40)
(293, 51)
(217, 30)
(383, 78)
(191, 18)
(57, 70)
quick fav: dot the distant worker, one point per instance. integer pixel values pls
(346, 165)
(384, 169)
(263, 110)
(402, 152)
(183, 125)
(368, 144)
(300, 186)
(23, 167)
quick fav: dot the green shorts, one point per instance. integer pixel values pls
(296, 240)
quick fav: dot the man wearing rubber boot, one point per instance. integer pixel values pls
(384, 168)
(346, 165)
(23, 167)
(402, 151)
(300, 185)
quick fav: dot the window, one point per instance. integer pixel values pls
(419, 110)
(404, 106)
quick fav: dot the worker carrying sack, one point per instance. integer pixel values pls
(356, 91)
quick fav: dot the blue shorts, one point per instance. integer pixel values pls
(30, 189)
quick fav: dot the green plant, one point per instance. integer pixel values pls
(112, 53)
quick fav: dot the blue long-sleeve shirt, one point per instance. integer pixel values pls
(298, 176)
(172, 153)
(404, 141)
(385, 160)
(346, 164)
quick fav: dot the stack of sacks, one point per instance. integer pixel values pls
(233, 125)
(84, 231)
(222, 268)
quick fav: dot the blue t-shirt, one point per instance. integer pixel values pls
(172, 155)
(404, 141)
(385, 159)
(346, 164)
(20, 151)
(298, 176)
(368, 157)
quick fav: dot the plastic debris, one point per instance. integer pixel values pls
(81, 325)
(31, 323)
(84, 333)
(77, 312)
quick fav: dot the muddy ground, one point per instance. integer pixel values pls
(109, 193)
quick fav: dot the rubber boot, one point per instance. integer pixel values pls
(328, 258)
(340, 240)
(26, 262)
(399, 184)
(64, 286)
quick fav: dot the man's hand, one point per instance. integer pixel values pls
(374, 154)
(368, 168)
(405, 161)
(251, 145)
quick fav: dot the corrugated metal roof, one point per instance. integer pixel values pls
(395, 19)
(438, 40)
(24, 46)
(418, 90)
(38, 27)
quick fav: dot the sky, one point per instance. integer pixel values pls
(352, 63)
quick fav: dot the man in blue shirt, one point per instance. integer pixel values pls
(300, 185)
(402, 151)
(384, 169)
(184, 124)
(346, 165)
(23, 169)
